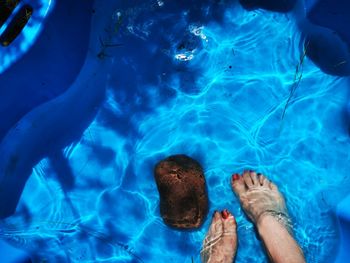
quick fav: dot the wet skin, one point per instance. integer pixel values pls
(265, 206)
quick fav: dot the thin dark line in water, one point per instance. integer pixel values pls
(102, 54)
(104, 45)
(297, 78)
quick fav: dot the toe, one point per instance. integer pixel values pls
(247, 179)
(273, 186)
(229, 237)
(261, 179)
(264, 181)
(267, 183)
(216, 223)
(254, 178)
(216, 215)
(229, 223)
(238, 184)
(220, 248)
(215, 231)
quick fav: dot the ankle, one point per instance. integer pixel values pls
(278, 240)
(270, 222)
(273, 216)
(264, 220)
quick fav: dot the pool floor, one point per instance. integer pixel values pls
(217, 89)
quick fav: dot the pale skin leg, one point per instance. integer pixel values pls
(265, 206)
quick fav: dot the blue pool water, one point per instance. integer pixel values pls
(216, 87)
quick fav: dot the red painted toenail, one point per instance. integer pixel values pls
(235, 177)
(224, 214)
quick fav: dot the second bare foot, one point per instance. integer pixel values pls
(220, 243)
(260, 197)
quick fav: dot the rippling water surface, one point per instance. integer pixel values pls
(213, 88)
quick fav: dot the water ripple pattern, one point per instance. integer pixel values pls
(223, 107)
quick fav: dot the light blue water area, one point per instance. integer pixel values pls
(220, 99)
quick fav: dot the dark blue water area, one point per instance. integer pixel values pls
(42, 72)
(328, 37)
(210, 79)
(331, 14)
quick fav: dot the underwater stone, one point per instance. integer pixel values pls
(182, 190)
(272, 5)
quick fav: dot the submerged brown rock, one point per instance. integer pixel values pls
(182, 190)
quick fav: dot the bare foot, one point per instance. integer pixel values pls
(265, 206)
(220, 243)
(260, 197)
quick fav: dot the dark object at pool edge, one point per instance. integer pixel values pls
(272, 5)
